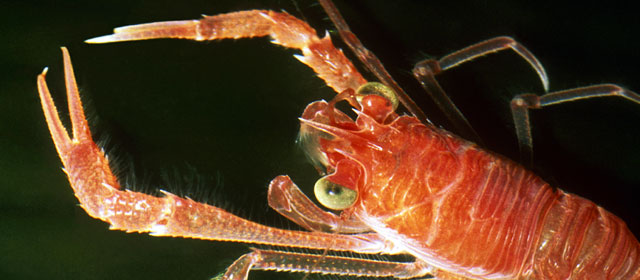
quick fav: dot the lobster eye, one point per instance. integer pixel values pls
(334, 196)
(378, 89)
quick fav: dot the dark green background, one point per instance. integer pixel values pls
(195, 117)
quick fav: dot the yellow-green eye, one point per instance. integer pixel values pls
(378, 89)
(334, 196)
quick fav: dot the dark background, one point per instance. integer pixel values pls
(217, 121)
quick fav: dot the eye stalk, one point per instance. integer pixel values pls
(334, 196)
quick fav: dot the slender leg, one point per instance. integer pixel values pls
(521, 104)
(426, 70)
(422, 72)
(318, 53)
(369, 59)
(288, 200)
(324, 264)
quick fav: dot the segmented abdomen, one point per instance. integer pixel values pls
(580, 240)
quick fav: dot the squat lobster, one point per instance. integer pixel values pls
(402, 185)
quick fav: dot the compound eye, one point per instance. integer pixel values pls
(334, 196)
(376, 88)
